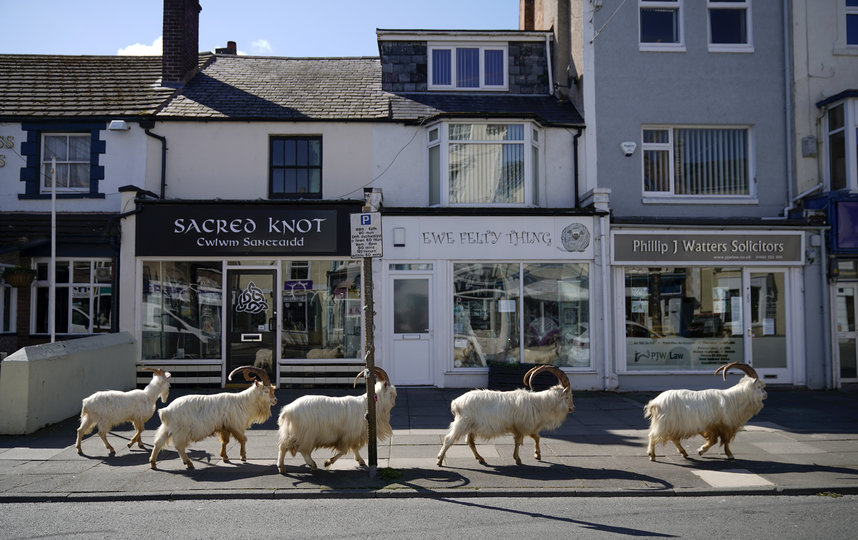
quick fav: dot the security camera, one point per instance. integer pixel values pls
(628, 148)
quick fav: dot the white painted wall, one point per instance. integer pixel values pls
(822, 67)
(124, 164)
(44, 384)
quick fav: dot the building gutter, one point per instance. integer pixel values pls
(576, 177)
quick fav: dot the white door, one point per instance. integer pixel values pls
(411, 298)
(846, 310)
(767, 324)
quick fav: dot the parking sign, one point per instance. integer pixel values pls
(366, 235)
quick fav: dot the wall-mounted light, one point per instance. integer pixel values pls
(628, 147)
(399, 237)
(118, 125)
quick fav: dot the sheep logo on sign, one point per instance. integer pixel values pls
(251, 300)
(575, 237)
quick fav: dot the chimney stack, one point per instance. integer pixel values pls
(181, 41)
(231, 48)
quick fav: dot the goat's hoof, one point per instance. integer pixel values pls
(190, 466)
(538, 457)
(731, 457)
(281, 470)
(79, 452)
(518, 462)
(129, 445)
(226, 459)
(111, 453)
(152, 466)
(652, 458)
(244, 459)
(440, 462)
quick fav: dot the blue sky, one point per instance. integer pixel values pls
(259, 27)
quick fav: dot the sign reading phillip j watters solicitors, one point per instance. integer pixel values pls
(229, 229)
(734, 247)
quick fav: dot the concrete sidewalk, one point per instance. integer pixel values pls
(802, 442)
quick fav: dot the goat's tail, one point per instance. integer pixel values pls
(650, 410)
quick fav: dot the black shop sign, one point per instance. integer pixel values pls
(242, 229)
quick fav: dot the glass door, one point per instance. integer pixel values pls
(412, 330)
(768, 323)
(847, 335)
(251, 321)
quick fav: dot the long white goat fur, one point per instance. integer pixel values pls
(714, 413)
(339, 423)
(109, 408)
(195, 417)
(487, 414)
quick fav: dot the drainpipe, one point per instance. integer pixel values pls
(548, 61)
(576, 176)
(607, 332)
(788, 98)
(147, 126)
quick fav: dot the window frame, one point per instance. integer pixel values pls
(674, 5)
(295, 195)
(734, 5)
(850, 140)
(8, 297)
(438, 136)
(842, 45)
(669, 146)
(45, 163)
(483, 47)
(91, 285)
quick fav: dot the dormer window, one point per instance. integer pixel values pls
(467, 67)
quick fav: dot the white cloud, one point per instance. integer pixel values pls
(261, 46)
(138, 49)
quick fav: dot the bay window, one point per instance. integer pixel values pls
(478, 164)
(696, 162)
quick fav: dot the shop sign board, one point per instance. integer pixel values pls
(240, 229)
(704, 247)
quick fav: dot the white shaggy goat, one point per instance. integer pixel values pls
(194, 417)
(110, 408)
(491, 413)
(715, 414)
(338, 423)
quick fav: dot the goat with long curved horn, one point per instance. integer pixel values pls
(749, 371)
(252, 374)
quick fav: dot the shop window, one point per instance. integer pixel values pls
(696, 162)
(84, 296)
(471, 67)
(730, 25)
(661, 25)
(533, 313)
(321, 315)
(295, 168)
(684, 318)
(8, 306)
(181, 310)
(483, 164)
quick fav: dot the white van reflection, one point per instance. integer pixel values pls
(166, 335)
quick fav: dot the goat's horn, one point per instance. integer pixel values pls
(155, 371)
(252, 373)
(749, 371)
(529, 375)
(561, 377)
(380, 374)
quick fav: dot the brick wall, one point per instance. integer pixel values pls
(181, 40)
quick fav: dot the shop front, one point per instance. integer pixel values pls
(464, 294)
(689, 301)
(222, 285)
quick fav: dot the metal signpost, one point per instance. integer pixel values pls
(366, 244)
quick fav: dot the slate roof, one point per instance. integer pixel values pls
(233, 87)
(80, 86)
(277, 88)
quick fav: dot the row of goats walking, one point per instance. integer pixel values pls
(312, 422)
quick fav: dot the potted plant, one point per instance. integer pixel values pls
(18, 276)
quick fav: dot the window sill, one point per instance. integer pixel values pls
(848, 50)
(47, 196)
(431, 88)
(667, 47)
(720, 48)
(698, 200)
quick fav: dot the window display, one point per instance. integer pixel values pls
(533, 313)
